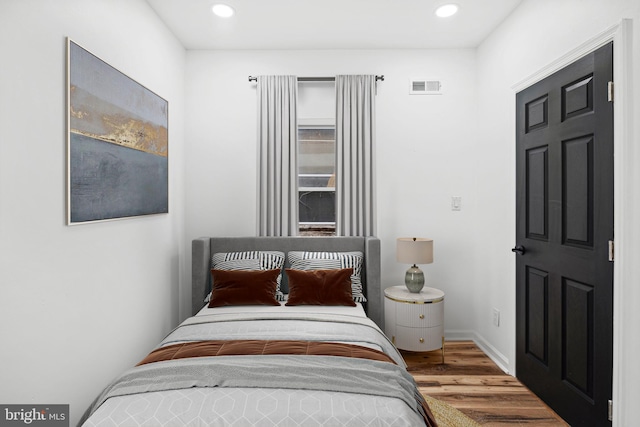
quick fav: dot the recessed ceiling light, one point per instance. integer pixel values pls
(447, 10)
(223, 10)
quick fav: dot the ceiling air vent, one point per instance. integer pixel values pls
(425, 87)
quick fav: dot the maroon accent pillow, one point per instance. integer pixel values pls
(243, 287)
(320, 287)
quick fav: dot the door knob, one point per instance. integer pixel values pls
(519, 250)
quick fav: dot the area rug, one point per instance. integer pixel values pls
(448, 416)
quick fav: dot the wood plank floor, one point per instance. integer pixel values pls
(472, 383)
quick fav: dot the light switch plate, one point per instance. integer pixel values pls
(456, 203)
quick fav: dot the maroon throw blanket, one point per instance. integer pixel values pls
(256, 347)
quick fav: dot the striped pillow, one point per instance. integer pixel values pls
(301, 260)
(250, 260)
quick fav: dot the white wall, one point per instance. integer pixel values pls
(536, 35)
(426, 149)
(82, 294)
(78, 304)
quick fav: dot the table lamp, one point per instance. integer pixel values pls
(414, 250)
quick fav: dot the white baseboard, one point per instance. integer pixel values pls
(459, 335)
(498, 358)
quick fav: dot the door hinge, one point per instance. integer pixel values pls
(610, 410)
(610, 91)
(611, 251)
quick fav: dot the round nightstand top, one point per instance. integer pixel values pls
(402, 294)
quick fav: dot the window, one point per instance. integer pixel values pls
(316, 178)
(320, 212)
(316, 158)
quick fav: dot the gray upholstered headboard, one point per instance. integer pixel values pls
(204, 247)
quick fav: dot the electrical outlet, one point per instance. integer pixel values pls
(496, 317)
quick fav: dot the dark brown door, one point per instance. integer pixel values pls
(564, 222)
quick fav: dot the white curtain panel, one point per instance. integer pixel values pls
(277, 160)
(355, 155)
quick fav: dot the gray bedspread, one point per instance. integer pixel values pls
(328, 373)
(319, 377)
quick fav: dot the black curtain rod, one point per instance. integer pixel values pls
(315, 79)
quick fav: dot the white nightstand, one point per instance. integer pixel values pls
(415, 321)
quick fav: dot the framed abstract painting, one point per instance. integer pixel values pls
(117, 145)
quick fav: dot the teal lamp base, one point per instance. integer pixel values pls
(414, 279)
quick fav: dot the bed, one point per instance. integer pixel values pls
(286, 331)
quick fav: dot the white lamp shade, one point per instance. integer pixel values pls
(414, 250)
